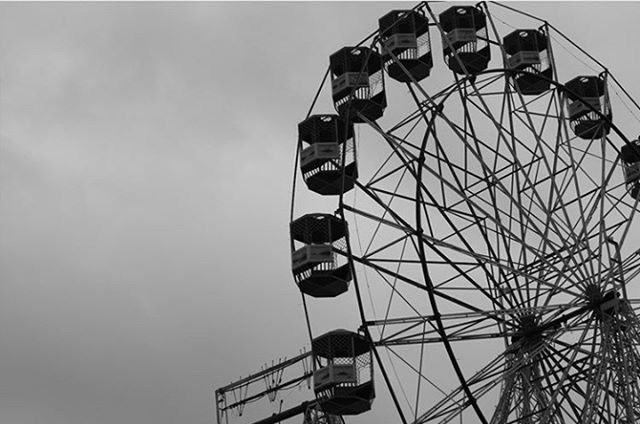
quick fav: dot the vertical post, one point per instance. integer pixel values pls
(606, 107)
(218, 397)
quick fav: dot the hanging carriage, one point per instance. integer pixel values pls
(588, 106)
(465, 42)
(630, 157)
(343, 383)
(327, 138)
(317, 269)
(406, 47)
(528, 56)
(357, 83)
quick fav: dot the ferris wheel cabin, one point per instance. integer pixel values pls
(317, 269)
(527, 55)
(327, 138)
(405, 45)
(630, 157)
(466, 49)
(588, 105)
(344, 381)
(357, 83)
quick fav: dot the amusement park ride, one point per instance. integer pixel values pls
(484, 228)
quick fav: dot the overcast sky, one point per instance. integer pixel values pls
(146, 157)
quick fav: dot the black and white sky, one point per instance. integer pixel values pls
(146, 159)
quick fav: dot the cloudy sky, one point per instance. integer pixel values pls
(146, 158)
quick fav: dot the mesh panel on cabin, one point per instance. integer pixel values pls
(318, 228)
(324, 129)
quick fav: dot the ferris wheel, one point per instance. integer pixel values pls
(479, 201)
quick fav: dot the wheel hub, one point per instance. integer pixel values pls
(604, 304)
(529, 334)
